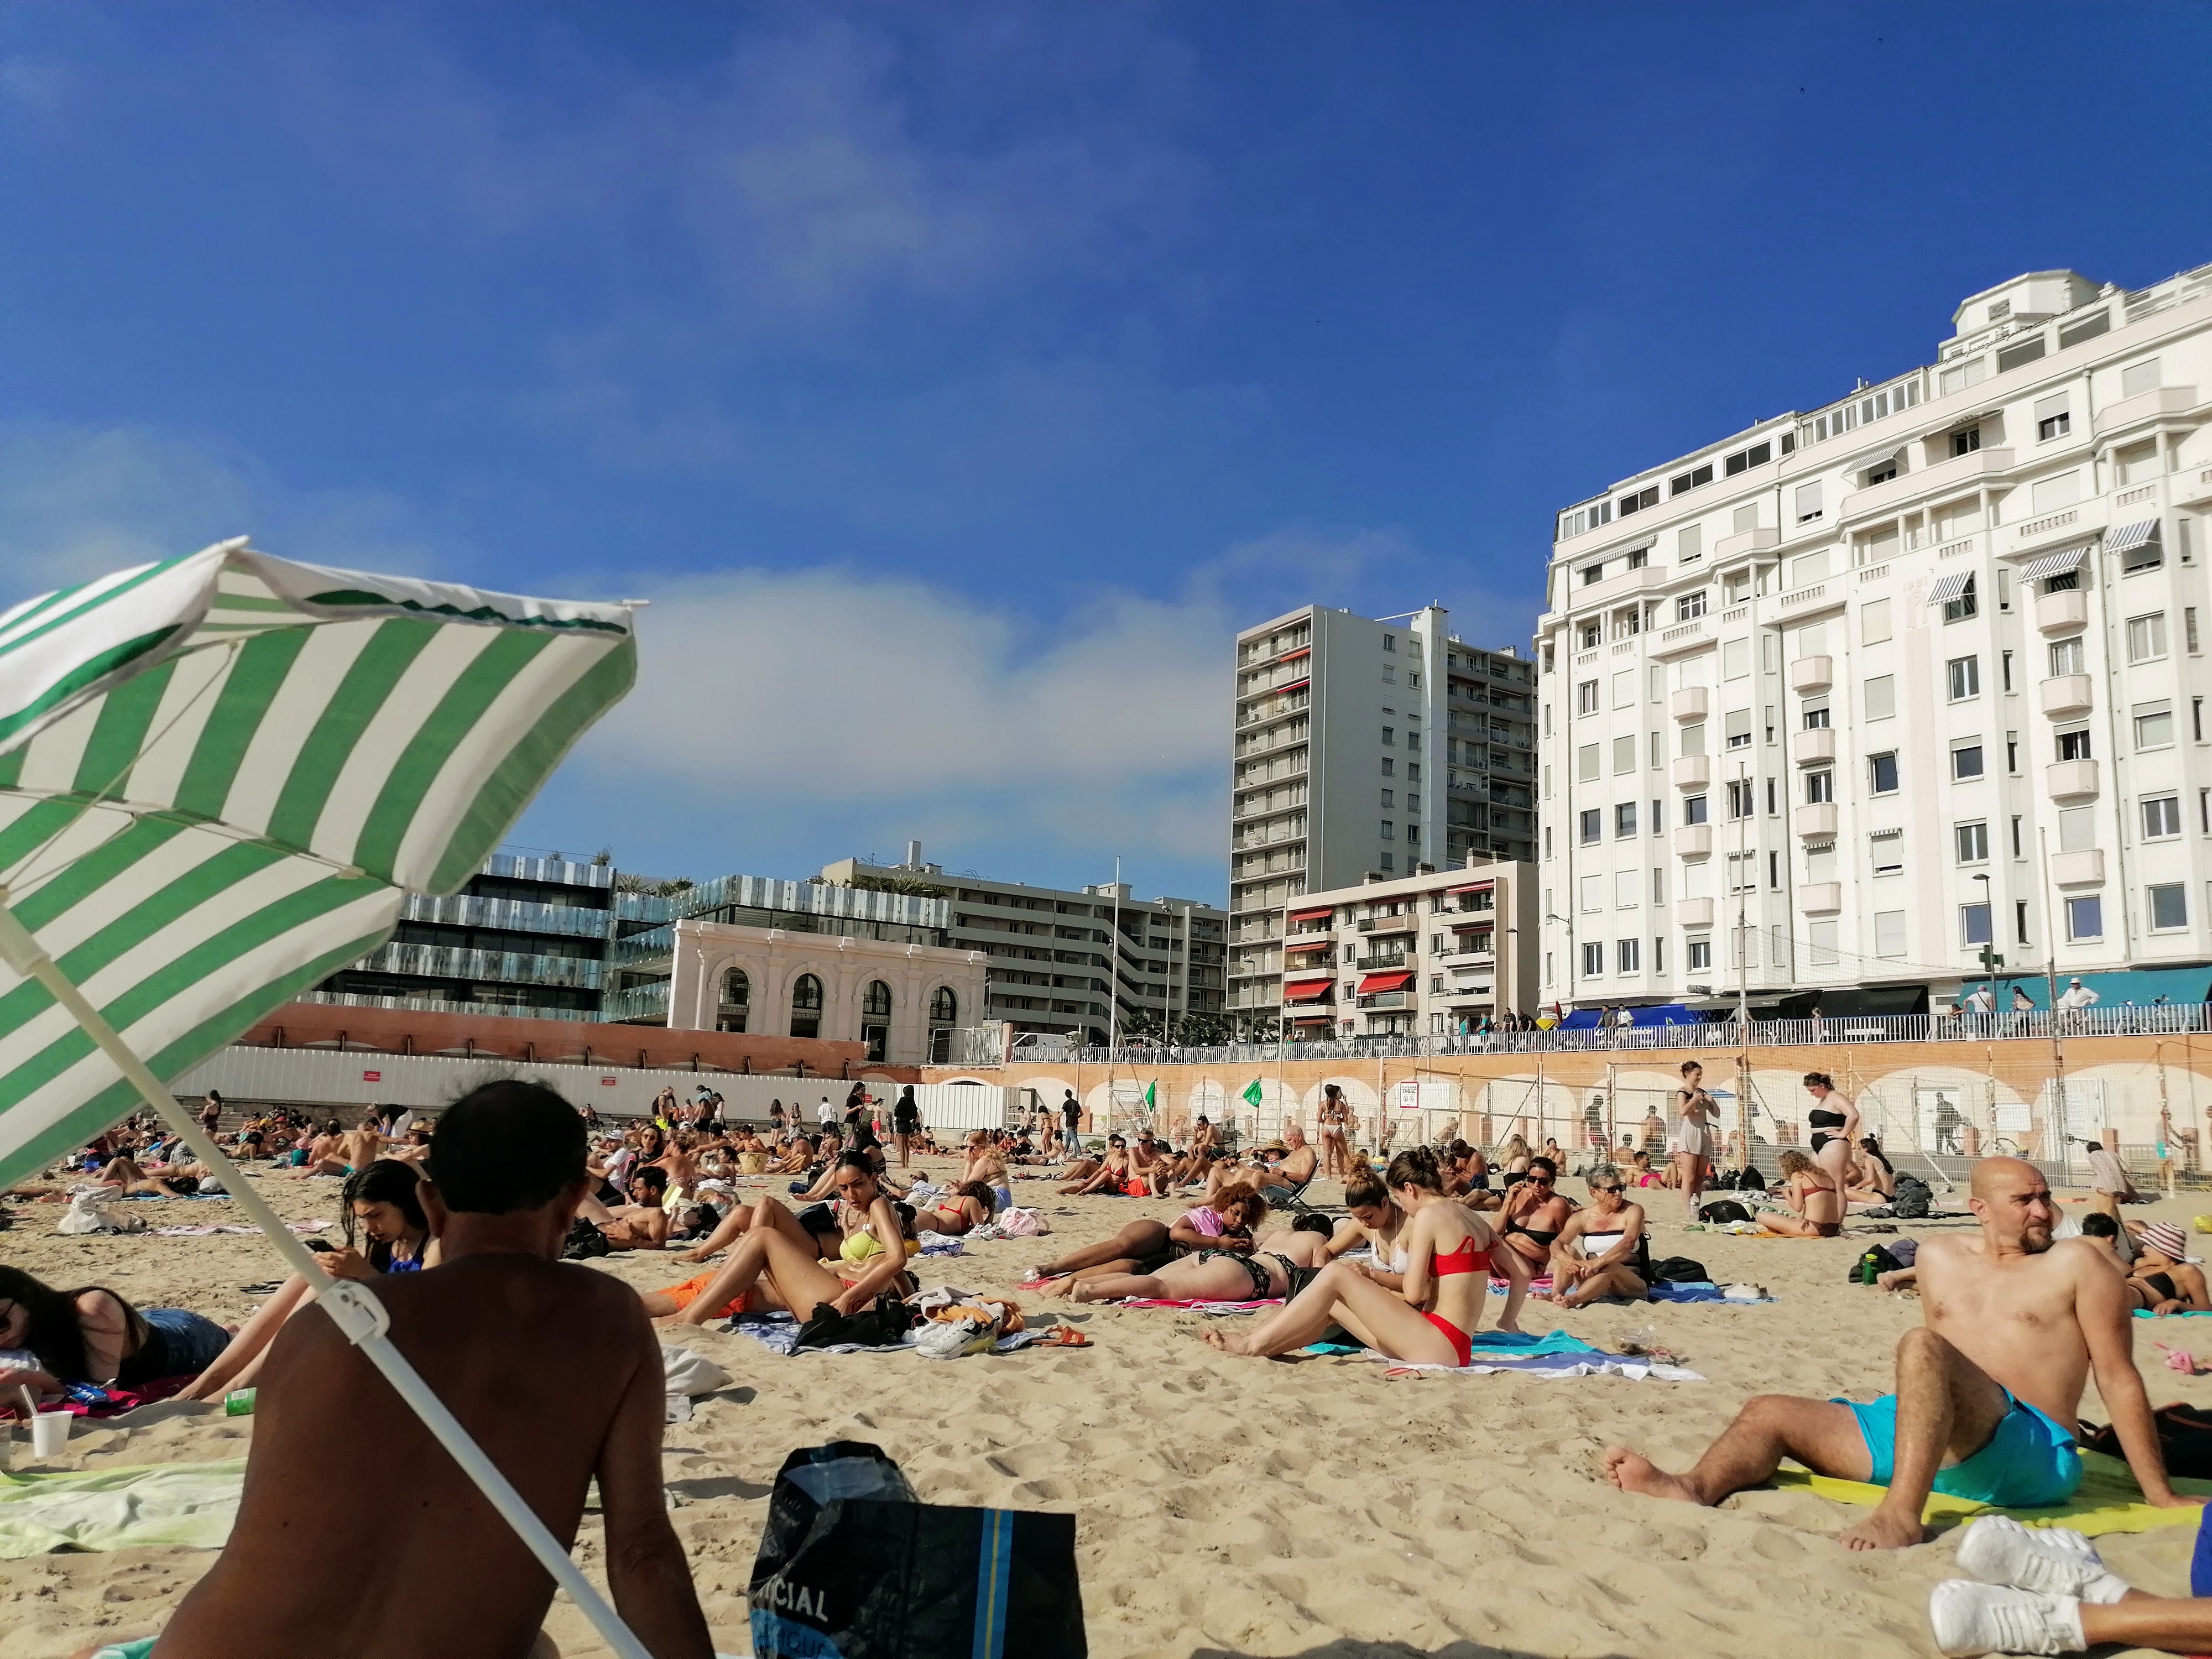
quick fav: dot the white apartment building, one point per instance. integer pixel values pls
(1817, 700)
(1362, 748)
(1433, 953)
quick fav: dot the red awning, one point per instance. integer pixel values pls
(1292, 656)
(1395, 979)
(1323, 914)
(1472, 887)
(1474, 920)
(1309, 990)
(1323, 942)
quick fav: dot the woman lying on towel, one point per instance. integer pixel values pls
(377, 1204)
(1282, 1264)
(967, 1205)
(1224, 1223)
(92, 1335)
(779, 1270)
(1430, 1320)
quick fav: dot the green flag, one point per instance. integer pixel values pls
(1252, 1092)
(1152, 1099)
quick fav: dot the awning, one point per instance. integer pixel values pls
(2129, 536)
(2143, 986)
(2054, 564)
(1472, 887)
(1292, 656)
(1322, 914)
(1309, 990)
(1396, 979)
(1948, 588)
(1960, 422)
(1475, 921)
(1875, 457)
(1294, 685)
(1320, 942)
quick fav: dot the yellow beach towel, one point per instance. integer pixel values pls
(2107, 1500)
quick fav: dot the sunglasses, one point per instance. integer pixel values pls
(1608, 1189)
(1539, 1181)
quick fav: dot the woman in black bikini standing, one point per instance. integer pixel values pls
(1834, 1132)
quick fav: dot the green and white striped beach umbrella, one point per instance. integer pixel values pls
(219, 773)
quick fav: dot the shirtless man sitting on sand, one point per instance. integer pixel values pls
(551, 1369)
(1989, 1391)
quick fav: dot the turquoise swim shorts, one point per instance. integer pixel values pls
(2030, 1460)
(137, 1650)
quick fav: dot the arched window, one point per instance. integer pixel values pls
(876, 1020)
(806, 1006)
(876, 1001)
(944, 1007)
(736, 991)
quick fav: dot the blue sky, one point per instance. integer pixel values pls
(956, 380)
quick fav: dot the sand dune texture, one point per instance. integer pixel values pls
(1226, 1506)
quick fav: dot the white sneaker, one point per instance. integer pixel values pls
(1970, 1618)
(2049, 1560)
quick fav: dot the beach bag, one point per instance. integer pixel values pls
(1725, 1209)
(2185, 1436)
(1680, 1270)
(1913, 1199)
(87, 1214)
(851, 1566)
(883, 1326)
(585, 1240)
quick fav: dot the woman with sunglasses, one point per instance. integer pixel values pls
(770, 1268)
(1601, 1250)
(1534, 1217)
(1114, 1173)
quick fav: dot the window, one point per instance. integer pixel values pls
(1694, 809)
(1624, 753)
(2067, 658)
(1585, 699)
(1742, 797)
(1973, 842)
(1743, 872)
(1739, 729)
(1874, 622)
(2085, 917)
(1591, 635)
(1592, 893)
(2025, 351)
(2197, 719)
(2004, 670)
(2169, 907)
(1689, 543)
(2188, 629)
(1959, 377)
(1889, 933)
(1735, 658)
(737, 993)
(1637, 500)
(1881, 472)
(1391, 734)
(2052, 418)
(2077, 829)
(2012, 753)
(806, 1006)
(1386, 861)
(1967, 442)
(2074, 745)
(1627, 889)
(1389, 798)
(1888, 852)
(1881, 774)
(1881, 696)
(1966, 760)
(2154, 726)
(1624, 820)
(1593, 960)
(876, 1001)
(1807, 501)
(1819, 786)
(1816, 713)
(1771, 808)
(2015, 835)
(1695, 478)
(1744, 459)
(2019, 922)
(1624, 689)
(943, 1007)
(1974, 924)
(1825, 939)
(2147, 637)
(1659, 885)
(2161, 815)
(1965, 607)
(1389, 829)
(1735, 586)
(1690, 606)
(2138, 463)
(1627, 953)
(1700, 954)
(1413, 776)
(2088, 328)
(2139, 377)
(1658, 956)
(2050, 495)
(1658, 752)
(1593, 825)
(1964, 675)
(2147, 555)
(1389, 675)
(1693, 738)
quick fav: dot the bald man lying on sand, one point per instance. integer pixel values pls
(1989, 1391)
(357, 1534)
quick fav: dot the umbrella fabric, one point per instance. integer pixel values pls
(219, 773)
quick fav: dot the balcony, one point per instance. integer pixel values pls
(1386, 959)
(2146, 406)
(1692, 771)
(1388, 999)
(1812, 674)
(2068, 694)
(2084, 867)
(1694, 840)
(1694, 912)
(1748, 541)
(1469, 947)
(2062, 613)
(1820, 898)
(1956, 473)
(1648, 580)
(1390, 924)
(1689, 703)
(1816, 746)
(1815, 819)
(2070, 779)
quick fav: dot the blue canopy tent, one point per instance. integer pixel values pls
(2143, 986)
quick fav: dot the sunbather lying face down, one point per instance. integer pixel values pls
(1257, 1274)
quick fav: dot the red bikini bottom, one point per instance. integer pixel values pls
(1462, 1344)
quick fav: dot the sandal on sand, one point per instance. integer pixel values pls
(1064, 1336)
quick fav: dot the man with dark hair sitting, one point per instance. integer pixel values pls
(551, 1369)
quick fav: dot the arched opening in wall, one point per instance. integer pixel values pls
(735, 1002)
(806, 1006)
(944, 1015)
(876, 1019)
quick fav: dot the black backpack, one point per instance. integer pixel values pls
(1680, 1270)
(1722, 1210)
(1914, 1199)
(883, 1326)
(585, 1240)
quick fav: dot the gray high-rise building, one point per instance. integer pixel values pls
(1365, 747)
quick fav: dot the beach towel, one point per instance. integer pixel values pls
(1553, 1357)
(779, 1334)
(1707, 1292)
(187, 1505)
(2107, 1500)
(1200, 1306)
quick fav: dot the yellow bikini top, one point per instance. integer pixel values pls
(860, 1246)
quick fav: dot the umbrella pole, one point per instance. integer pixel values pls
(352, 1306)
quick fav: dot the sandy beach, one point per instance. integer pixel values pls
(1225, 1506)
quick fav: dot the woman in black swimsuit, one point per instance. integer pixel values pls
(1834, 1132)
(1533, 1216)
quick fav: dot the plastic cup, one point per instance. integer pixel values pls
(50, 1433)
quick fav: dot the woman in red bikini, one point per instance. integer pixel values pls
(1432, 1320)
